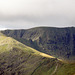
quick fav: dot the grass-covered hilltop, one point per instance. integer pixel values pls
(58, 42)
(37, 51)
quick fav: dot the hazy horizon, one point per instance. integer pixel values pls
(30, 28)
(23, 14)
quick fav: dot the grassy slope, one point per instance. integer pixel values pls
(8, 43)
(58, 42)
(19, 59)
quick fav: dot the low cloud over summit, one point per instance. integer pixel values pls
(32, 13)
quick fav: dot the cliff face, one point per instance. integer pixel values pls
(58, 42)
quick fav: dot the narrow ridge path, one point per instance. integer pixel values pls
(55, 69)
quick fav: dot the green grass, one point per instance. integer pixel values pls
(66, 69)
(58, 42)
(7, 43)
(17, 58)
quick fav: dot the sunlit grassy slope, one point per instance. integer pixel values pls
(19, 59)
(58, 42)
(8, 43)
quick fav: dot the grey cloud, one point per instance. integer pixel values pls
(31, 13)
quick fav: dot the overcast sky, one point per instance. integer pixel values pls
(32, 13)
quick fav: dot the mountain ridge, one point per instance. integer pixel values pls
(58, 42)
(24, 60)
(12, 42)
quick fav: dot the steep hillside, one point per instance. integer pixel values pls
(58, 42)
(19, 59)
